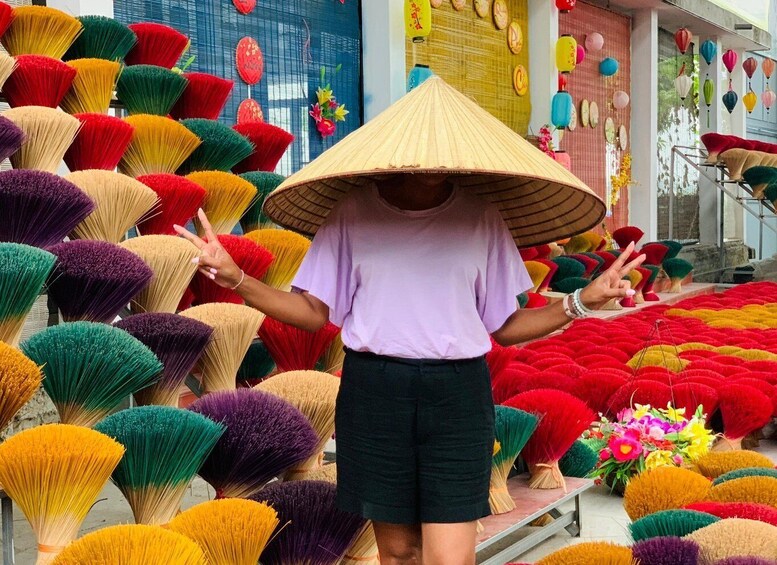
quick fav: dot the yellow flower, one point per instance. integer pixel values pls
(341, 113)
(497, 447)
(659, 458)
(641, 411)
(324, 95)
(695, 432)
(675, 414)
(696, 450)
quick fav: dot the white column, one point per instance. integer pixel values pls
(709, 195)
(643, 197)
(383, 52)
(83, 7)
(543, 83)
(735, 214)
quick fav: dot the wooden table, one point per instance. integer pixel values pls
(530, 505)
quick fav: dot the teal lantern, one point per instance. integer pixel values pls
(708, 50)
(730, 99)
(608, 67)
(417, 75)
(561, 109)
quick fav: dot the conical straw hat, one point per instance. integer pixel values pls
(437, 129)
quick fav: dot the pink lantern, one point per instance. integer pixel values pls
(620, 99)
(562, 81)
(730, 60)
(750, 65)
(580, 54)
(768, 98)
(594, 41)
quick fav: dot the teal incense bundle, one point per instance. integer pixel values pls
(513, 428)
(101, 38)
(221, 148)
(147, 89)
(255, 218)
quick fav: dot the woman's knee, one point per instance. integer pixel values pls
(398, 544)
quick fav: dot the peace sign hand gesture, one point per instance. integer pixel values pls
(611, 284)
(215, 263)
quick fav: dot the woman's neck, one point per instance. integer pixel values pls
(413, 196)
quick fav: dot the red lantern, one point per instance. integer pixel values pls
(244, 6)
(250, 61)
(562, 81)
(249, 112)
(683, 39)
(565, 6)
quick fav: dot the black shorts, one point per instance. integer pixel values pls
(415, 439)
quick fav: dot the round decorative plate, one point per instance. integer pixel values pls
(573, 120)
(594, 111)
(609, 130)
(521, 80)
(436, 3)
(244, 6)
(249, 112)
(459, 5)
(623, 137)
(481, 7)
(515, 37)
(584, 113)
(501, 16)
(250, 61)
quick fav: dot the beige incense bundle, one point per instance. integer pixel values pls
(49, 133)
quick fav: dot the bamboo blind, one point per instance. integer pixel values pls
(593, 159)
(473, 56)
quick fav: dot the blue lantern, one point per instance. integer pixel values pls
(561, 109)
(730, 99)
(418, 74)
(608, 67)
(708, 50)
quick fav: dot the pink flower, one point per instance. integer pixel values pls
(625, 448)
(315, 113)
(678, 459)
(333, 104)
(604, 454)
(326, 128)
(656, 432)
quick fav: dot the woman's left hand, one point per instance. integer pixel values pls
(611, 284)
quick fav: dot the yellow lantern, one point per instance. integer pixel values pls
(418, 19)
(750, 100)
(566, 53)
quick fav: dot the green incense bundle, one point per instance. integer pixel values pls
(23, 270)
(165, 449)
(674, 247)
(101, 38)
(675, 523)
(567, 268)
(146, 89)
(221, 149)
(676, 269)
(746, 472)
(265, 183)
(570, 284)
(256, 365)
(770, 194)
(512, 428)
(579, 461)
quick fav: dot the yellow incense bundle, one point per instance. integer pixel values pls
(663, 488)
(39, 30)
(19, 380)
(735, 537)
(7, 66)
(159, 145)
(49, 134)
(227, 197)
(92, 89)
(326, 473)
(364, 549)
(289, 250)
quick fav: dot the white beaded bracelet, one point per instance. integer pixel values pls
(242, 278)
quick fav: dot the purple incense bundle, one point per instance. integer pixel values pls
(666, 550)
(317, 532)
(746, 561)
(265, 437)
(39, 208)
(11, 138)
(94, 280)
(177, 342)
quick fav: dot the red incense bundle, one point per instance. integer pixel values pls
(294, 349)
(99, 144)
(38, 81)
(270, 143)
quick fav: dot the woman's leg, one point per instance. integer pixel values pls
(398, 544)
(448, 544)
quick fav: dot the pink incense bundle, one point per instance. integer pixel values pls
(562, 419)
(99, 144)
(251, 257)
(204, 97)
(38, 81)
(744, 410)
(294, 349)
(179, 199)
(270, 143)
(157, 44)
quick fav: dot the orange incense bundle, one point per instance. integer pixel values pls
(38, 81)
(99, 144)
(294, 349)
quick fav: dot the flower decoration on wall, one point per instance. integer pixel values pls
(327, 111)
(545, 141)
(621, 180)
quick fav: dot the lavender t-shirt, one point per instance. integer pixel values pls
(431, 284)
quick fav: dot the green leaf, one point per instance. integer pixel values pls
(338, 67)
(323, 73)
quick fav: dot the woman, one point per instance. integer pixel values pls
(420, 273)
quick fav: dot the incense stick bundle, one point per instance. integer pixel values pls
(159, 145)
(157, 44)
(256, 365)
(39, 208)
(204, 97)
(23, 270)
(265, 183)
(333, 359)
(177, 342)
(656, 551)
(265, 436)
(364, 549)
(294, 349)
(38, 81)
(513, 428)
(49, 133)
(148, 89)
(599, 552)
(165, 449)
(735, 537)
(221, 147)
(179, 199)
(229, 531)
(314, 394)
(132, 545)
(94, 280)
(120, 201)
(99, 144)
(40, 30)
(234, 327)
(326, 473)
(101, 38)
(19, 381)
(663, 488)
(289, 250)
(90, 368)
(270, 143)
(171, 259)
(6, 16)
(7, 66)
(93, 86)
(227, 197)
(54, 474)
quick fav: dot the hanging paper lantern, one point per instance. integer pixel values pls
(562, 81)
(249, 112)
(682, 39)
(730, 100)
(565, 6)
(683, 83)
(418, 19)
(594, 41)
(566, 53)
(768, 67)
(417, 75)
(608, 67)
(620, 100)
(768, 98)
(250, 61)
(580, 56)
(749, 65)
(730, 60)
(709, 92)
(561, 109)
(244, 6)
(708, 50)
(750, 100)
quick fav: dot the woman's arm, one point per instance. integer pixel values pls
(298, 309)
(525, 325)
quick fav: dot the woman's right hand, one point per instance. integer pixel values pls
(214, 261)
